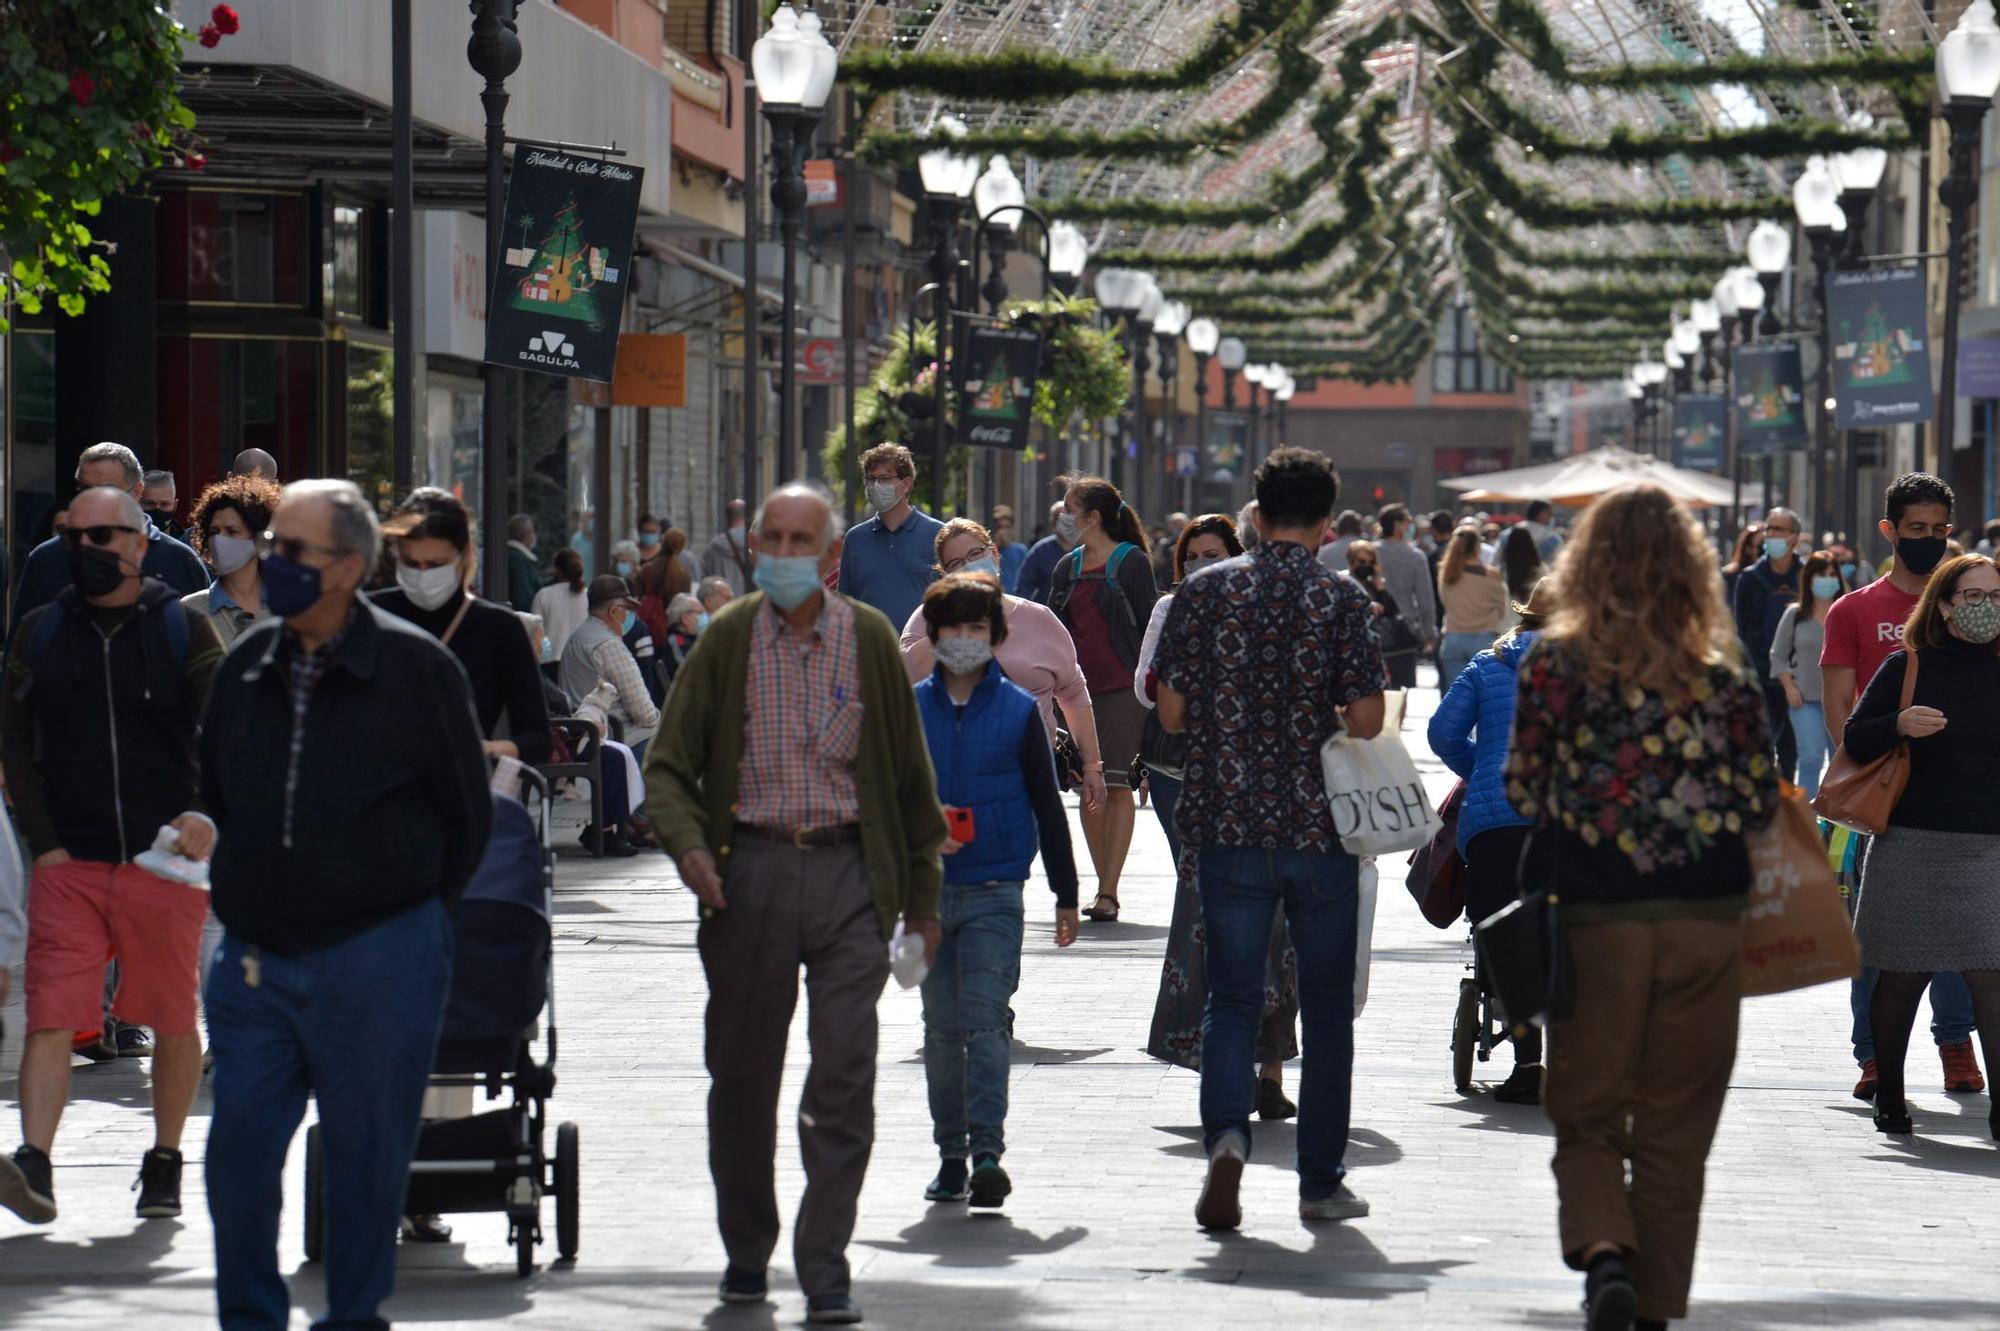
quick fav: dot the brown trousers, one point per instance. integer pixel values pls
(790, 908)
(1638, 1074)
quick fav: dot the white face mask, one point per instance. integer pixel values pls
(882, 495)
(1066, 527)
(963, 656)
(428, 588)
(229, 553)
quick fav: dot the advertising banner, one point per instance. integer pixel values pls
(1698, 437)
(1228, 442)
(1881, 349)
(652, 370)
(998, 391)
(1770, 399)
(1979, 367)
(560, 284)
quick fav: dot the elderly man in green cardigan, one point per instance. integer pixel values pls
(791, 783)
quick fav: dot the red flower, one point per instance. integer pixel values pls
(225, 20)
(210, 36)
(196, 161)
(82, 87)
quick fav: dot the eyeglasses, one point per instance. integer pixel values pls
(954, 565)
(102, 533)
(292, 548)
(1976, 596)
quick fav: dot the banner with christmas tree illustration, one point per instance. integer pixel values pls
(1881, 348)
(1698, 424)
(559, 287)
(997, 393)
(1770, 399)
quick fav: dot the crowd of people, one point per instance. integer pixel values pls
(855, 743)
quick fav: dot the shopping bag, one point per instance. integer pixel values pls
(1437, 870)
(1368, 883)
(1795, 932)
(1374, 792)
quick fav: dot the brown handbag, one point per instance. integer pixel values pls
(1861, 796)
(1795, 932)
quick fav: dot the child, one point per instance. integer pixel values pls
(995, 768)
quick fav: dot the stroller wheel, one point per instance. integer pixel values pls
(1464, 1034)
(524, 1246)
(568, 1167)
(315, 1196)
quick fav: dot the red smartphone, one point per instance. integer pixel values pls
(959, 821)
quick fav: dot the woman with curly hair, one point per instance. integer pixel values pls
(227, 520)
(1641, 754)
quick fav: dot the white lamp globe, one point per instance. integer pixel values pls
(1202, 336)
(1118, 289)
(782, 60)
(1706, 315)
(1068, 251)
(1151, 299)
(1968, 59)
(1770, 248)
(1232, 353)
(1816, 195)
(1172, 318)
(943, 172)
(825, 62)
(999, 192)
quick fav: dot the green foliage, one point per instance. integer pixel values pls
(90, 107)
(1084, 370)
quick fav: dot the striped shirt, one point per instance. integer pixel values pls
(801, 723)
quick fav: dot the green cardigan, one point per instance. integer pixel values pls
(691, 767)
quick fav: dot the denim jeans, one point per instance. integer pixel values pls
(1815, 746)
(1951, 1010)
(1455, 653)
(1166, 798)
(966, 1018)
(1241, 890)
(355, 1024)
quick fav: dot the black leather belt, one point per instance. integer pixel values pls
(804, 838)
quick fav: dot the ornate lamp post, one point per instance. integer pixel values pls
(1770, 253)
(1816, 199)
(1068, 253)
(1202, 338)
(1168, 326)
(494, 51)
(1119, 293)
(947, 178)
(1968, 74)
(1230, 354)
(1283, 396)
(1000, 203)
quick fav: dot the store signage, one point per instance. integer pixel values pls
(652, 370)
(1979, 367)
(1698, 432)
(1770, 399)
(1881, 347)
(997, 394)
(822, 183)
(454, 284)
(559, 289)
(821, 361)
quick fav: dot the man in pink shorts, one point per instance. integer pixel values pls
(103, 691)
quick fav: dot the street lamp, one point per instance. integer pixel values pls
(1770, 253)
(1230, 353)
(1968, 74)
(494, 52)
(1068, 253)
(1859, 171)
(999, 202)
(1202, 338)
(947, 178)
(1816, 198)
(1283, 394)
(794, 67)
(1168, 326)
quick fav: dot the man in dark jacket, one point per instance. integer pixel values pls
(97, 727)
(46, 569)
(1762, 592)
(342, 763)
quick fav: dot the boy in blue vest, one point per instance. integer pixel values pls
(997, 781)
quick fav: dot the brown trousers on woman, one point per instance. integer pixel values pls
(1638, 1074)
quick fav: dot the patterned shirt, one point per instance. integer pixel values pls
(801, 723)
(304, 671)
(1264, 647)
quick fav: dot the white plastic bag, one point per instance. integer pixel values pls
(13, 895)
(1364, 931)
(906, 958)
(1377, 798)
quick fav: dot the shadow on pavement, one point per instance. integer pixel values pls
(1277, 1145)
(958, 1237)
(1341, 1264)
(1035, 1054)
(63, 1266)
(1490, 1115)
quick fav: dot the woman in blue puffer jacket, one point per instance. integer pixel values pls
(1469, 734)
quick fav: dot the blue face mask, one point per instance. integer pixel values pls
(548, 649)
(789, 580)
(649, 538)
(1847, 571)
(289, 589)
(701, 621)
(986, 565)
(623, 568)
(1825, 589)
(626, 627)
(1777, 547)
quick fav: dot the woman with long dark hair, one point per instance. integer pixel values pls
(563, 604)
(1520, 563)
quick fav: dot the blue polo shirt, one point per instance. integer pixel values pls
(889, 569)
(1033, 580)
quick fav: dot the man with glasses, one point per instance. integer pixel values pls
(888, 560)
(46, 571)
(1762, 592)
(343, 765)
(103, 691)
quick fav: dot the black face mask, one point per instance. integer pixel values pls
(1921, 554)
(95, 570)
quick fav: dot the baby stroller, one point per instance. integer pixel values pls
(1476, 1027)
(500, 986)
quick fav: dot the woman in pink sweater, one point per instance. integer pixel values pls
(1037, 652)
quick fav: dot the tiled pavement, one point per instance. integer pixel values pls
(1811, 1220)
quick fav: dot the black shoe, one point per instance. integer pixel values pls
(990, 1184)
(837, 1309)
(615, 844)
(425, 1229)
(740, 1286)
(1896, 1123)
(949, 1185)
(133, 1042)
(159, 1185)
(27, 1187)
(1271, 1102)
(1649, 1324)
(98, 1049)
(1609, 1296)
(1522, 1087)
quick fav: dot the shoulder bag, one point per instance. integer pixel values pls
(1862, 796)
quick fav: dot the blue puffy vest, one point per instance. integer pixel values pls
(1469, 734)
(977, 758)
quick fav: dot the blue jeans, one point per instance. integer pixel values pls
(1166, 798)
(966, 1018)
(1951, 1010)
(1241, 890)
(1455, 653)
(356, 1024)
(1815, 746)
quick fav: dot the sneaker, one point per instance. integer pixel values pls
(424, 1229)
(990, 1184)
(949, 1185)
(1341, 1204)
(159, 1184)
(1610, 1298)
(1865, 1088)
(27, 1186)
(1961, 1068)
(1220, 1206)
(1522, 1087)
(133, 1042)
(832, 1309)
(1272, 1106)
(93, 1046)
(740, 1286)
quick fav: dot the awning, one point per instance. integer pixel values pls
(1575, 482)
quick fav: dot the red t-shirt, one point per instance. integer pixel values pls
(1102, 670)
(1863, 627)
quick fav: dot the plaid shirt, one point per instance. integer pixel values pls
(802, 722)
(304, 670)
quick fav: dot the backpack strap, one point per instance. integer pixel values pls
(1118, 553)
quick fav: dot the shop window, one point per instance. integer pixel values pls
(1457, 366)
(222, 248)
(451, 436)
(346, 268)
(371, 421)
(220, 395)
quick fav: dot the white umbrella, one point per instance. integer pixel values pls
(1575, 482)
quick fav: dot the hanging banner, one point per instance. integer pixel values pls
(559, 287)
(1979, 367)
(1770, 399)
(652, 370)
(1698, 426)
(1881, 348)
(1228, 442)
(998, 391)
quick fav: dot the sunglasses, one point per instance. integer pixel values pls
(101, 534)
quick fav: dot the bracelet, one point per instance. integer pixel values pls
(1093, 767)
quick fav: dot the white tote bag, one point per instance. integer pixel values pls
(1378, 800)
(1364, 930)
